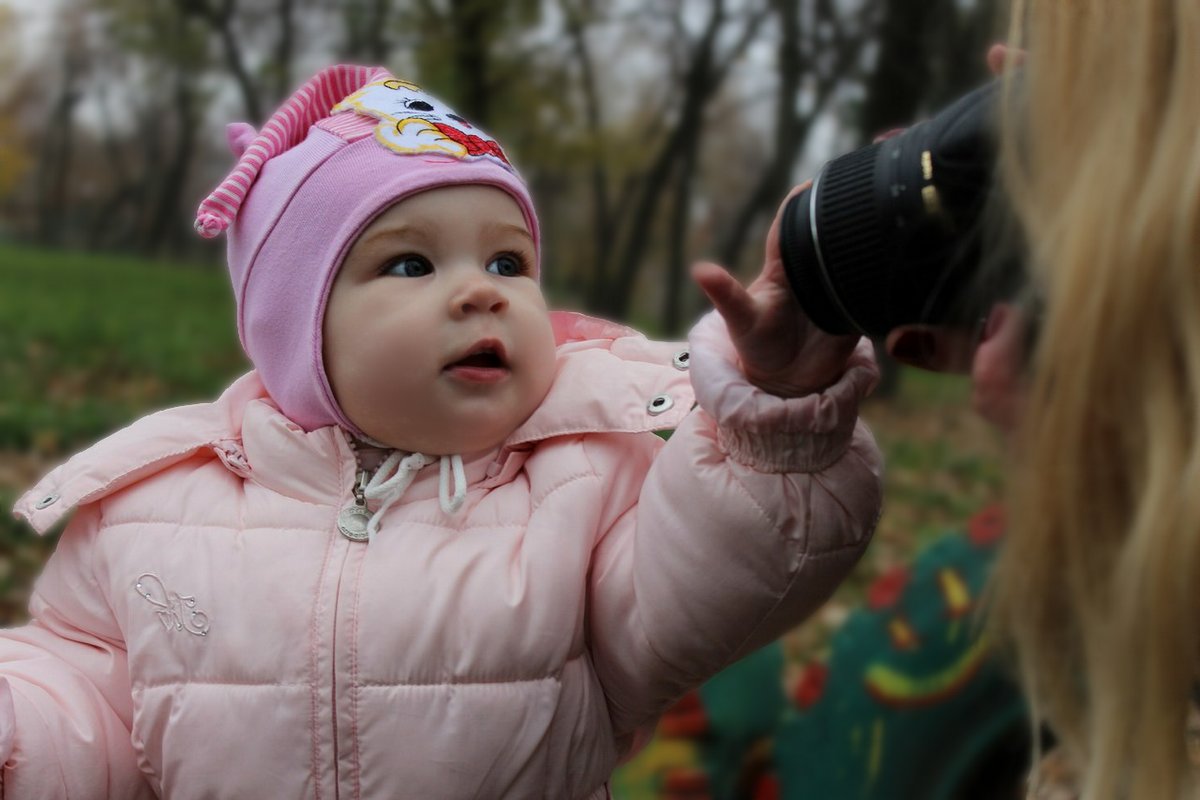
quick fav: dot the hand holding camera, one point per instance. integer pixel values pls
(780, 349)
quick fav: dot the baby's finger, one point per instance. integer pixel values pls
(729, 297)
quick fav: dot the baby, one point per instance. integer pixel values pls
(431, 546)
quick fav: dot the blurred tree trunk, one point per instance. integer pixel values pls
(903, 70)
(219, 15)
(365, 26)
(281, 66)
(896, 91)
(184, 56)
(457, 52)
(56, 152)
(826, 53)
(577, 17)
(704, 71)
(929, 53)
(165, 222)
(106, 227)
(677, 288)
(472, 26)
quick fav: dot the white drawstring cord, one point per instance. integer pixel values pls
(390, 488)
(452, 503)
(397, 472)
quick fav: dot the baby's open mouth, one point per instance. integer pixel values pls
(485, 359)
(484, 355)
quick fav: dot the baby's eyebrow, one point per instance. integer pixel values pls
(501, 228)
(407, 231)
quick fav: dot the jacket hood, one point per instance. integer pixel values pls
(609, 378)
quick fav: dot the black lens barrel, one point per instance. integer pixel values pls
(889, 234)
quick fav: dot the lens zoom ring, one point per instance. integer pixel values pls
(852, 241)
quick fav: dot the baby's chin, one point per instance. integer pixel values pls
(433, 442)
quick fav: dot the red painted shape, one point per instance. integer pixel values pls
(685, 782)
(887, 588)
(987, 527)
(812, 685)
(686, 719)
(767, 788)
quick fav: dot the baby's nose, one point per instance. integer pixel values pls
(478, 294)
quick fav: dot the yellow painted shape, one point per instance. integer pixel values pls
(894, 686)
(638, 778)
(903, 635)
(955, 590)
(875, 760)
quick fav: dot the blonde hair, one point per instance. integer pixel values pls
(1098, 586)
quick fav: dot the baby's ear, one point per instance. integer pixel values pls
(239, 135)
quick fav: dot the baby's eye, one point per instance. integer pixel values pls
(409, 266)
(508, 266)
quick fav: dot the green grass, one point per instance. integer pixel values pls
(91, 342)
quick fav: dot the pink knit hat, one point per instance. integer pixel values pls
(350, 143)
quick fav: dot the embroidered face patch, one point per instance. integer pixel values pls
(411, 121)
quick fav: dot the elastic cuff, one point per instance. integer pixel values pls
(770, 433)
(783, 451)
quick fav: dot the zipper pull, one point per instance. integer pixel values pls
(352, 520)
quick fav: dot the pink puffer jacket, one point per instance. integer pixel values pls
(203, 630)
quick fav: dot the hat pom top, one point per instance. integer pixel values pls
(286, 128)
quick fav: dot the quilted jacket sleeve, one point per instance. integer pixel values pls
(744, 524)
(65, 701)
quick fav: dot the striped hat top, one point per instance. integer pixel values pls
(348, 144)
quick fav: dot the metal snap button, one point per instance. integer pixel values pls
(46, 501)
(682, 360)
(658, 404)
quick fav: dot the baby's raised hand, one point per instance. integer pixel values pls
(780, 349)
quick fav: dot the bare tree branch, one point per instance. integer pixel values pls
(575, 18)
(699, 87)
(220, 19)
(284, 47)
(800, 53)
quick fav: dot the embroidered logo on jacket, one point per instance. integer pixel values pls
(175, 611)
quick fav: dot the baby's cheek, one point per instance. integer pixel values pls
(546, 360)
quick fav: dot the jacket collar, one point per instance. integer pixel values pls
(609, 379)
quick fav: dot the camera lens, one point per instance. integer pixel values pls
(890, 234)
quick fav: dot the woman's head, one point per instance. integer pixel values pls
(349, 145)
(1099, 586)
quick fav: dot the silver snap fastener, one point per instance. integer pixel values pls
(46, 501)
(682, 360)
(659, 403)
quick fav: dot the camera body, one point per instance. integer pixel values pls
(894, 233)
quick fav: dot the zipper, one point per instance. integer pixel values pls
(352, 520)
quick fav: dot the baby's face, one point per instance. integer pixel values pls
(437, 337)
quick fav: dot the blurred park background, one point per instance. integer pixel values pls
(652, 134)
